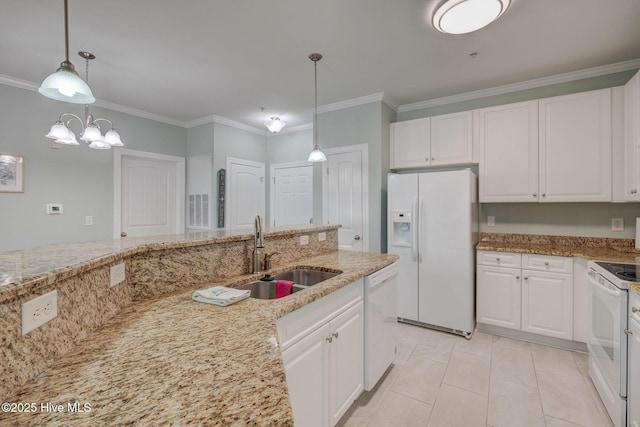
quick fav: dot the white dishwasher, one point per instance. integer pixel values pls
(380, 317)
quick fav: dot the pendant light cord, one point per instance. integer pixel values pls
(66, 31)
(315, 111)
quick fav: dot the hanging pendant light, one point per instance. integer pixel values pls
(275, 125)
(316, 155)
(65, 84)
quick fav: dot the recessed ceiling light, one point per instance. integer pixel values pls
(466, 16)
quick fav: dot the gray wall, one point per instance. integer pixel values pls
(566, 219)
(78, 177)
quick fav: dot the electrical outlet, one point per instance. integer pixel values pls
(39, 311)
(304, 240)
(617, 224)
(117, 274)
(88, 220)
(491, 221)
(322, 237)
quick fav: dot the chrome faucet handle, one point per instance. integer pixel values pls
(267, 260)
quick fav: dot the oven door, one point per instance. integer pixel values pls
(607, 340)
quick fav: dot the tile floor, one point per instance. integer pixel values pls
(439, 379)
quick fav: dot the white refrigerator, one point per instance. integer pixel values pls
(433, 227)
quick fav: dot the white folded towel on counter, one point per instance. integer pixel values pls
(220, 295)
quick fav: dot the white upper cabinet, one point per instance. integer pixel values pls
(410, 144)
(632, 139)
(575, 147)
(432, 141)
(451, 139)
(508, 138)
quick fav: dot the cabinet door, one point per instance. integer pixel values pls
(346, 373)
(498, 298)
(547, 304)
(575, 147)
(633, 394)
(451, 139)
(508, 138)
(631, 138)
(410, 144)
(306, 366)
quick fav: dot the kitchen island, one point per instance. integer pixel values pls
(165, 359)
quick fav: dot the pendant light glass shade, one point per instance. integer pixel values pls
(99, 145)
(68, 140)
(275, 125)
(317, 155)
(65, 85)
(58, 131)
(91, 133)
(112, 138)
(466, 16)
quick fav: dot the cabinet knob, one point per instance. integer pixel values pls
(546, 263)
(329, 339)
(356, 237)
(544, 195)
(634, 191)
(497, 260)
(123, 234)
(335, 335)
(433, 158)
(517, 277)
(635, 309)
(535, 194)
(628, 332)
(526, 278)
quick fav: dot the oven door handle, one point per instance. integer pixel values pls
(600, 286)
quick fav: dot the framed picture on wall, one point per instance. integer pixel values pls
(11, 174)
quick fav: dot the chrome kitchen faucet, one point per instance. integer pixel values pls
(258, 243)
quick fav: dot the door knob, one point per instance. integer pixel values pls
(356, 237)
(123, 234)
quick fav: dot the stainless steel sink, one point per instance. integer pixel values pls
(302, 278)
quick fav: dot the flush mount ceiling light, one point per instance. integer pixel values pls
(65, 84)
(60, 132)
(316, 155)
(466, 16)
(275, 125)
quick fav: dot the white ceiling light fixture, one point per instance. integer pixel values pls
(91, 133)
(275, 125)
(65, 84)
(316, 155)
(466, 16)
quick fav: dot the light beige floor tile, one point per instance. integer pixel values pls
(598, 401)
(399, 410)
(404, 350)
(355, 417)
(456, 407)
(370, 400)
(568, 399)
(512, 404)
(512, 343)
(420, 379)
(409, 332)
(555, 422)
(436, 346)
(582, 362)
(480, 344)
(513, 364)
(554, 361)
(468, 372)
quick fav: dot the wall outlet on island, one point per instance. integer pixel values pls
(304, 240)
(322, 237)
(117, 274)
(38, 311)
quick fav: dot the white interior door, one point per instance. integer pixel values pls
(245, 192)
(292, 193)
(151, 191)
(344, 182)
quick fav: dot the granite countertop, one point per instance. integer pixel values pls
(172, 360)
(592, 248)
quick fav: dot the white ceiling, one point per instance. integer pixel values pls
(185, 60)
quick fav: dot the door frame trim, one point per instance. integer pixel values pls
(363, 149)
(227, 187)
(272, 184)
(180, 165)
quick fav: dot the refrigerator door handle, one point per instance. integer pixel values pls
(414, 238)
(422, 224)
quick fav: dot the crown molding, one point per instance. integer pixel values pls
(227, 122)
(376, 97)
(22, 84)
(528, 84)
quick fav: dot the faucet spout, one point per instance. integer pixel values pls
(258, 242)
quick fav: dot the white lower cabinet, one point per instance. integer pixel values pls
(531, 293)
(633, 374)
(323, 354)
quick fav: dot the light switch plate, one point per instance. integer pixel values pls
(304, 240)
(38, 311)
(617, 224)
(88, 220)
(116, 274)
(54, 208)
(491, 221)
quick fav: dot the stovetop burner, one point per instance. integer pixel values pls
(627, 272)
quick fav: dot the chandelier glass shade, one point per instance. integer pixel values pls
(275, 125)
(466, 16)
(65, 84)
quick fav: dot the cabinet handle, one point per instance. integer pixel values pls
(628, 332)
(526, 278)
(433, 158)
(544, 195)
(634, 191)
(535, 194)
(546, 263)
(329, 339)
(517, 277)
(335, 334)
(498, 260)
(635, 309)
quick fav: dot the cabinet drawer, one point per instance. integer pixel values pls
(557, 264)
(502, 259)
(299, 323)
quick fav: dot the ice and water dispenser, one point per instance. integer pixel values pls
(401, 223)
